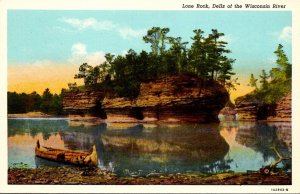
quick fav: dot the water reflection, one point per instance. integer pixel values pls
(165, 149)
(136, 148)
(251, 143)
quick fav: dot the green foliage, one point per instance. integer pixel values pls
(253, 81)
(264, 80)
(271, 91)
(122, 75)
(283, 71)
(23, 103)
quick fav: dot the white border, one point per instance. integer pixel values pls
(5, 5)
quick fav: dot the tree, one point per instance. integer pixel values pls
(85, 72)
(225, 70)
(122, 75)
(264, 79)
(283, 71)
(72, 86)
(178, 53)
(157, 37)
(253, 81)
(216, 50)
(198, 54)
(46, 101)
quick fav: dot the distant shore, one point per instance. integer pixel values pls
(81, 176)
(33, 115)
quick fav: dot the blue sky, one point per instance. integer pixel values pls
(73, 37)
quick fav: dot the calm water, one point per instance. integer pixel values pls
(142, 149)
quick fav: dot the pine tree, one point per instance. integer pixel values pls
(264, 79)
(253, 81)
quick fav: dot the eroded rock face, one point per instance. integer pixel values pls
(172, 99)
(84, 106)
(255, 110)
(283, 110)
(247, 110)
(182, 98)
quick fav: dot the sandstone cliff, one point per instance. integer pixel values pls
(255, 110)
(247, 110)
(283, 110)
(182, 98)
(172, 99)
(84, 108)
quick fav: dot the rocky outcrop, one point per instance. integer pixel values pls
(247, 110)
(283, 110)
(84, 108)
(172, 99)
(82, 102)
(182, 98)
(227, 114)
(256, 110)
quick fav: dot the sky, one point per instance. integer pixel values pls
(46, 48)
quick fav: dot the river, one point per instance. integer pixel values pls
(135, 149)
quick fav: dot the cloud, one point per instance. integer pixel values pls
(100, 25)
(41, 74)
(128, 33)
(79, 55)
(286, 34)
(78, 49)
(89, 23)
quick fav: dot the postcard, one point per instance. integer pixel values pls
(149, 97)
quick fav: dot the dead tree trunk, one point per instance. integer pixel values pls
(269, 168)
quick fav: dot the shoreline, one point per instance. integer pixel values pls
(85, 176)
(99, 120)
(35, 115)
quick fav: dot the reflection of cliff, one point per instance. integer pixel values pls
(246, 135)
(83, 138)
(284, 133)
(262, 137)
(165, 148)
(172, 143)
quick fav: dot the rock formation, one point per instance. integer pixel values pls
(283, 110)
(182, 98)
(82, 102)
(171, 99)
(84, 107)
(255, 110)
(247, 110)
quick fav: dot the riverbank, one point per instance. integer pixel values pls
(33, 115)
(84, 176)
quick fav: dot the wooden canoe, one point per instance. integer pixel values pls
(67, 156)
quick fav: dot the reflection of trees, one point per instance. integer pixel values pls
(183, 147)
(261, 137)
(77, 138)
(216, 167)
(83, 138)
(34, 131)
(35, 126)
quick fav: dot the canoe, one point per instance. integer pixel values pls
(67, 156)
